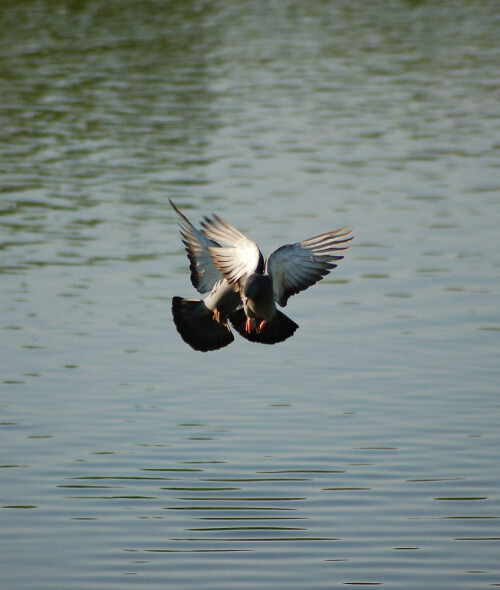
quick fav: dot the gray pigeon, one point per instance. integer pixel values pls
(243, 288)
(203, 323)
(287, 271)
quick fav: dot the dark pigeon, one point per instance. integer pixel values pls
(203, 323)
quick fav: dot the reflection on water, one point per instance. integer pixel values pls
(363, 451)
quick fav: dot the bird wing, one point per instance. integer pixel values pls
(204, 273)
(238, 258)
(295, 267)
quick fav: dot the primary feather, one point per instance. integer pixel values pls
(295, 267)
(204, 273)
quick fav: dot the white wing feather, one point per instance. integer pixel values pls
(295, 267)
(204, 274)
(238, 258)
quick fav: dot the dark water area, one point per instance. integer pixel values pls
(364, 451)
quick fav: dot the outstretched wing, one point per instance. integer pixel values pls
(295, 267)
(238, 256)
(204, 273)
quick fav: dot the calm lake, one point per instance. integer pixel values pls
(365, 450)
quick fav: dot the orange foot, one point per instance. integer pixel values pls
(248, 326)
(262, 325)
(217, 315)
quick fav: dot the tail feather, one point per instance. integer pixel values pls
(198, 327)
(276, 330)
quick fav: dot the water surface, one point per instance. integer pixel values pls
(363, 451)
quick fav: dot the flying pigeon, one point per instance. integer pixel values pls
(244, 288)
(203, 323)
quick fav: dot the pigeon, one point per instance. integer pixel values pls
(261, 284)
(203, 323)
(243, 288)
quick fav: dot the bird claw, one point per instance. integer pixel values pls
(250, 324)
(217, 315)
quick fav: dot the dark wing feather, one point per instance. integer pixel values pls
(295, 267)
